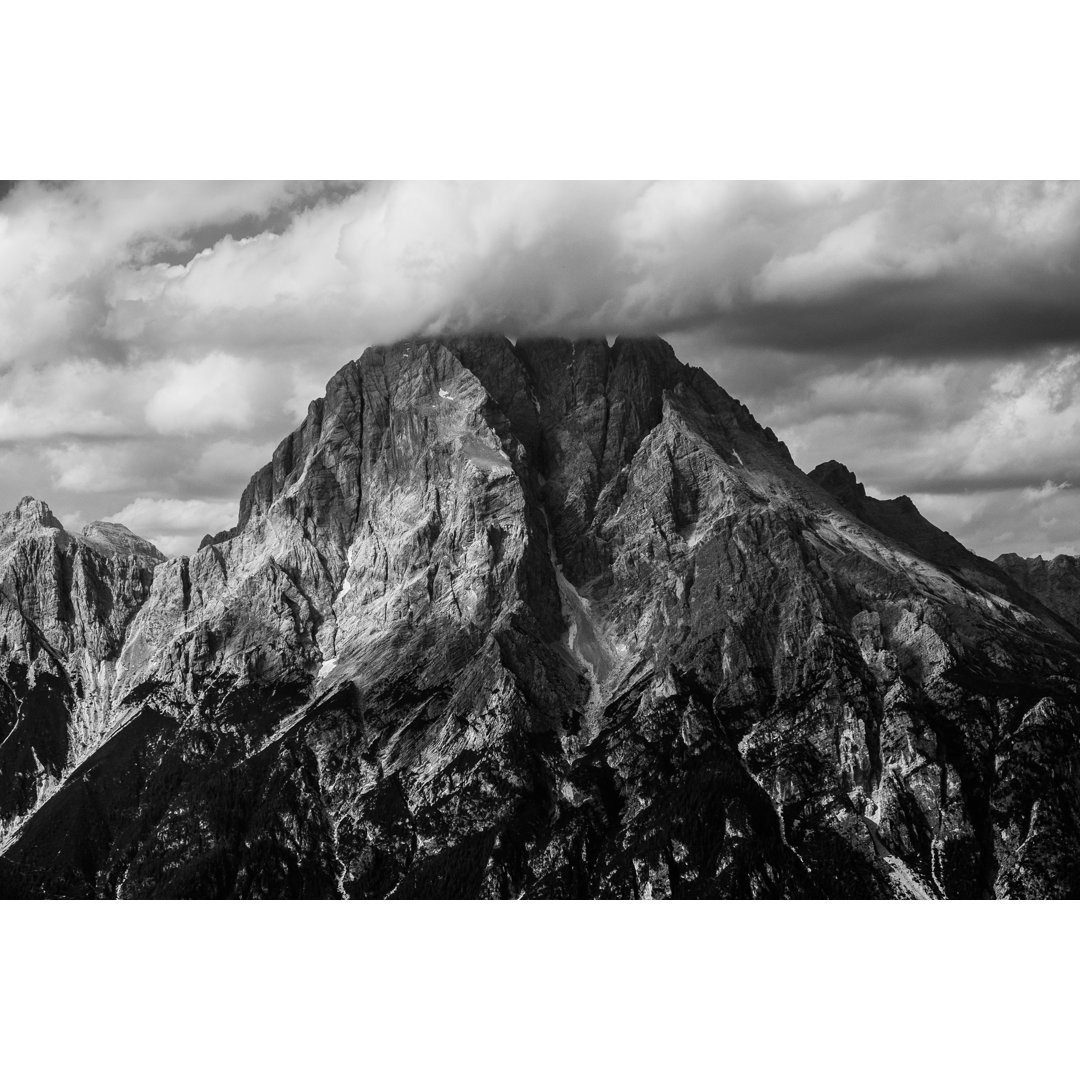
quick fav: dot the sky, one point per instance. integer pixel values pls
(157, 340)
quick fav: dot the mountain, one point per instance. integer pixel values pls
(545, 620)
(900, 519)
(1056, 581)
(65, 605)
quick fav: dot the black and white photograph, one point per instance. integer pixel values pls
(636, 459)
(524, 600)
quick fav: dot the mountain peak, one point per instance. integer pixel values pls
(29, 514)
(837, 479)
(117, 539)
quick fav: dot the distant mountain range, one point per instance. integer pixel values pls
(546, 620)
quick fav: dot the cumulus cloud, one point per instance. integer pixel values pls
(211, 394)
(928, 269)
(71, 397)
(63, 245)
(948, 428)
(926, 333)
(80, 467)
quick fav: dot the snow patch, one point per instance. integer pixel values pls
(444, 394)
(327, 666)
(295, 486)
(346, 584)
(585, 637)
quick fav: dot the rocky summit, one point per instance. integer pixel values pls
(545, 620)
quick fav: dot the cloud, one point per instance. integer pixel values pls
(64, 244)
(1048, 490)
(79, 467)
(1030, 521)
(215, 393)
(908, 269)
(925, 333)
(177, 525)
(222, 467)
(70, 397)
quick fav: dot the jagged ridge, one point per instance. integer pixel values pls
(65, 605)
(1055, 582)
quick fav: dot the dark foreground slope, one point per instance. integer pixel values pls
(562, 620)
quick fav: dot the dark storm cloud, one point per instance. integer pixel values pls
(929, 270)
(906, 271)
(947, 316)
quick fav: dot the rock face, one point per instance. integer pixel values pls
(1056, 581)
(549, 620)
(900, 519)
(65, 605)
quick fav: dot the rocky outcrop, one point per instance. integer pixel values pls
(561, 619)
(1055, 582)
(65, 606)
(900, 520)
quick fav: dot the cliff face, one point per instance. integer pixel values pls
(554, 620)
(65, 605)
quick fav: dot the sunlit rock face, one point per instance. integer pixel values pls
(551, 619)
(65, 605)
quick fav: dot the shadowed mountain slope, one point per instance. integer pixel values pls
(1055, 582)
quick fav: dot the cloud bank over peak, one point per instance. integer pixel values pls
(142, 324)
